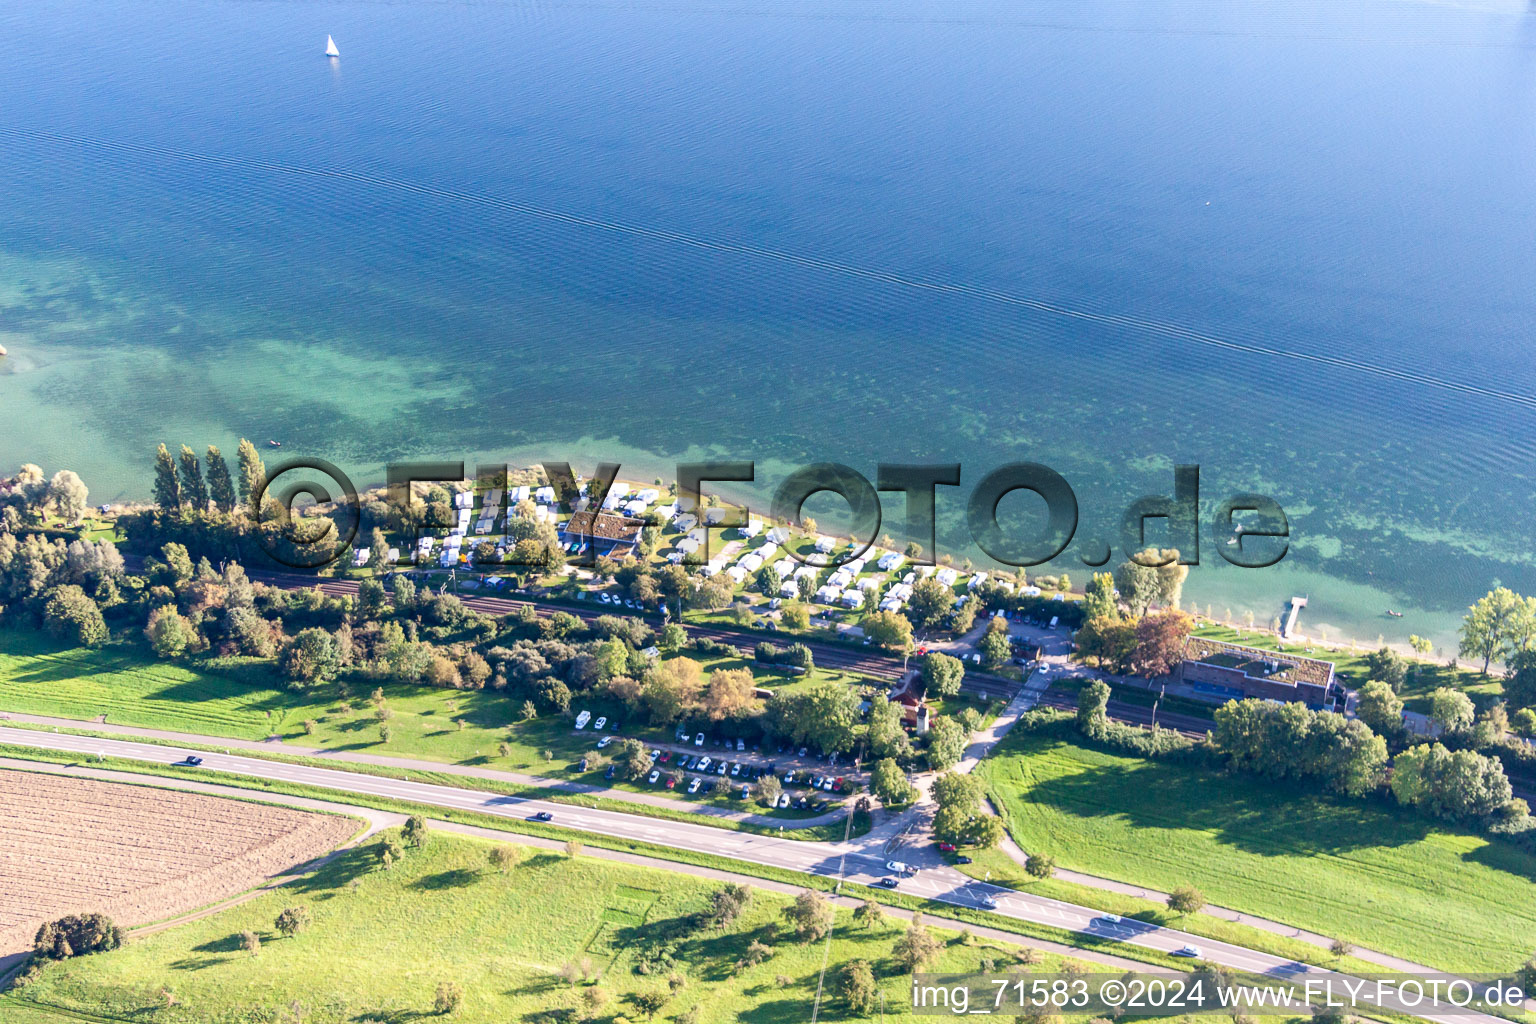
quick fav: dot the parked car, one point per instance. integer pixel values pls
(741, 744)
(671, 781)
(988, 902)
(582, 719)
(600, 723)
(698, 740)
(947, 847)
(655, 754)
(704, 764)
(783, 800)
(542, 816)
(655, 774)
(746, 791)
(609, 773)
(604, 742)
(736, 769)
(719, 767)
(666, 755)
(693, 787)
(962, 859)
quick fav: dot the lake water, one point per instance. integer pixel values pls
(1294, 243)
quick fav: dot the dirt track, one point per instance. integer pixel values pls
(136, 853)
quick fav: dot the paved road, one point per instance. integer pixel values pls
(861, 860)
(653, 799)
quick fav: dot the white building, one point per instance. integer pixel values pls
(853, 599)
(891, 560)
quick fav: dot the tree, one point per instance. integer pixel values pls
(221, 488)
(888, 630)
(946, 743)
(415, 831)
(1501, 620)
(1107, 641)
(1040, 866)
(1138, 585)
(929, 604)
(1461, 786)
(856, 984)
(823, 716)
(889, 783)
(1340, 948)
(168, 633)
(77, 935)
(650, 1002)
(942, 674)
(573, 848)
(292, 921)
(312, 656)
(1378, 706)
(68, 495)
(1387, 666)
(811, 915)
(1520, 683)
(987, 831)
(1186, 900)
(1160, 642)
(670, 689)
(504, 856)
(769, 790)
(730, 693)
(916, 947)
(1452, 709)
(632, 759)
(726, 905)
(69, 613)
(193, 491)
(448, 998)
(796, 616)
(1099, 600)
(869, 914)
(167, 487)
(1523, 722)
(994, 647)
(1092, 705)
(250, 942)
(252, 474)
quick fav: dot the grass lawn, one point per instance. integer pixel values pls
(382, 941)
(240, 702)
(1366, 872)
(1424, 677)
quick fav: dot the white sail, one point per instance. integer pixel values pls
(330, 47)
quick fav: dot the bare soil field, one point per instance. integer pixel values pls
(138, 854)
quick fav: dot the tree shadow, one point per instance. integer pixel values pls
(458, 878)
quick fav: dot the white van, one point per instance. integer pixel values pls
(582, 719)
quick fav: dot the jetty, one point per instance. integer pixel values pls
(1292, 611)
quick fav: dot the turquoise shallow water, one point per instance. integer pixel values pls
(1291, 243)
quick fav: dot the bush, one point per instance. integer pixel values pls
(77, 935)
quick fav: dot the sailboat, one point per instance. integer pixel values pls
(330, 47)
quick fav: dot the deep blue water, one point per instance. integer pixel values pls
(1294, 243)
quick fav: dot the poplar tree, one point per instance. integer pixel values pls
(220, 487)
(167, 489)
(193, 491)
(252, 473)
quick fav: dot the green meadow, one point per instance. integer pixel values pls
(526, 944)
(1367, 872)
